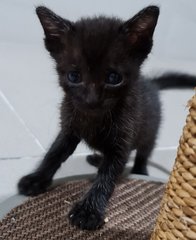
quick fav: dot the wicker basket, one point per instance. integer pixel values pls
(177, 217)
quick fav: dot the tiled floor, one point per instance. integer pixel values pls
(30, 96)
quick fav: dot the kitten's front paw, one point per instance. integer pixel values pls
(33, 184)
(85, 217)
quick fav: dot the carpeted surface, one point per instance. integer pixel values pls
(131, 213)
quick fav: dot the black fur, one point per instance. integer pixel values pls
(111, 118)
(174, 80)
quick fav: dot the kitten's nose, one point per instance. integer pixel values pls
(92, 99)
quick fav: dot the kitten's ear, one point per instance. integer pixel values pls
(139, 29)
(54, 27)
(52, 24)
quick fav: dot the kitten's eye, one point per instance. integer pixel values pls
(113, 78)
(74, 77)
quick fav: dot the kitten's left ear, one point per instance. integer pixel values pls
(139, 29)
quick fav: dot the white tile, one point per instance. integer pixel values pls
(15, 140)
(31, 86)
(173, 117)
(161, 162)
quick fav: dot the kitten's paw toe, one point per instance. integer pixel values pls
(94, 159)
(33, 184)
(85, 218)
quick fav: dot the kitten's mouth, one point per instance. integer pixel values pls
(95, 109)
(91, 110)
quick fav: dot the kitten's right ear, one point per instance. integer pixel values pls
(52, 24)
(54, 27)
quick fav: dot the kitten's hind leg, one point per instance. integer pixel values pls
(141, 159)
(140, 164)
(95, 159)
(145, 147)
(38, 181)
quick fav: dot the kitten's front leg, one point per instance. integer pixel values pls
(89, 213)
(38, 181)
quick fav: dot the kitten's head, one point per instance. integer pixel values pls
(98, 59)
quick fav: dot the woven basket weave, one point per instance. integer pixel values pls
(177, 217)
(131, 213)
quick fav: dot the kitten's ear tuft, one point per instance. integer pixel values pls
(52, 24)
(141, 26)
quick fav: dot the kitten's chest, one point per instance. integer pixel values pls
(94, 131)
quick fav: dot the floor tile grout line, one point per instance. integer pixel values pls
(6, 101)
(166, 148)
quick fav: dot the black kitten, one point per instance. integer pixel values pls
(107, 104)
